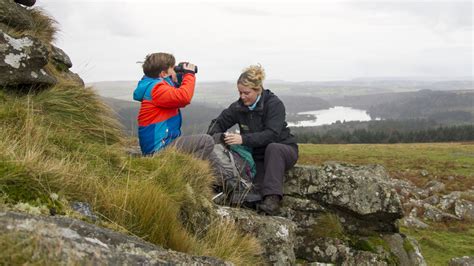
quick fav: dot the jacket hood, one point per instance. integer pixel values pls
(145, 84)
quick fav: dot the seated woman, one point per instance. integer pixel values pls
(260, 115)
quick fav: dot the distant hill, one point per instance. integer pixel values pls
(196, 116)
(446, 102)
(445, 107)
(222, 93)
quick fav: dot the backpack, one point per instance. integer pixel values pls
(233, 178)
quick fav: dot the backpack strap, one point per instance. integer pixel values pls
(236, 172)
(234, 168)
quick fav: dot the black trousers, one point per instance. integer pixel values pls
(278, 159)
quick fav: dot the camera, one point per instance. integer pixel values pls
(180, 68)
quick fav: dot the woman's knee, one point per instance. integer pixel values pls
(273, 147)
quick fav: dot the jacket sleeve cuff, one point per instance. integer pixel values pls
(245, 140)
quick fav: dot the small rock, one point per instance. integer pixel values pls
(414, 222)
(424, 173)
(462, 261)
(464, 209)
(60, 56)
(434, 187)
(84, 209)
(434, 214)
(433, 200)
(447, 201)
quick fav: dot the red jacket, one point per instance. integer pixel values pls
(159, 119)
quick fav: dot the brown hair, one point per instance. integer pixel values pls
(157, 62)
(252, 77)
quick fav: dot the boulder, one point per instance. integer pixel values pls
(22, 61)
(384, 249)
(275, 234)
(405, 249)
(362, 192)
(61, 240)
(335, 251)
(464, 209)
(60, 57)
(446, 202)
(62, 62)
(434, 214)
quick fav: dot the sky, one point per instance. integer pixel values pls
(293, 40)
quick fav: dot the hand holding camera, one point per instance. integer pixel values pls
(185, 67)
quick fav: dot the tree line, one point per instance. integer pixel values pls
(340, 136)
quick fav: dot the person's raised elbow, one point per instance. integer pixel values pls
(185, 102)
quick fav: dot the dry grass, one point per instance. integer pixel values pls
(225, 241)
(45, 27)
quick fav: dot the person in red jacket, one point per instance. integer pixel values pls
(161, 97)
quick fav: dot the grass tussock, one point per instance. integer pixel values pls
(63, 141)
(328, 225)
(43, 26)
(225, 241)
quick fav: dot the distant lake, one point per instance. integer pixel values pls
(331, 115)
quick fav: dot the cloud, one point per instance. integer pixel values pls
(298, 40)
(243, 10)
(437, 15)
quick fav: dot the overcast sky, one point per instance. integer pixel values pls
(293, 40)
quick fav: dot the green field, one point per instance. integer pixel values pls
(443, 161)
(450, 163)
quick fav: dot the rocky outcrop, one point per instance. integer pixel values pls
(336, 213)
(347, 215)
(26, 60)
(71, 241)
(361, 195)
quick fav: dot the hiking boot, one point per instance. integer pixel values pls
(270, 205)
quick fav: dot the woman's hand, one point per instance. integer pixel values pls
(232, 139)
